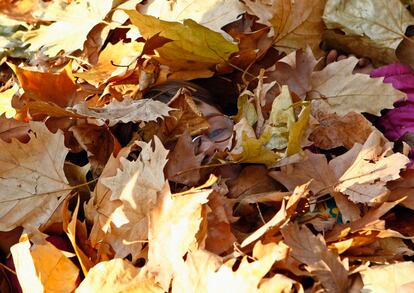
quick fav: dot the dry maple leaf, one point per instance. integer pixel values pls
(296, 24)
(249, 276)
(175, 219)
(117, 276)
(73, 24)
(41, 267)
(32, 179)
(134, 189)
(346, 92)
(320, 261)
(213, 14)
(377, 25)
(128, 110)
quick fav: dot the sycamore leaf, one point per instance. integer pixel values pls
(54, 271)
(388, 278)
(320, 261)
(346, 92)
(59, 88)
(128, 110)
(109, 60)
(192, 44)
(383, 22)
(32, 179)
(135, 187)
(5, 102)
(175, 219)
(69, 32)
(213, 14)
(117, 276)
(296, 24)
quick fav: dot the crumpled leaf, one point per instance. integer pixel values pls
(117, 276)
(10, 128)
(32, 179)
(383, 23)
(346, 92)
(213, 14)
(388, 278)
(192, 44)
(127, 110)
(184, 212)
(296, 24)
(69, 32)
(42, 267)
(320, 261)
(112, 61)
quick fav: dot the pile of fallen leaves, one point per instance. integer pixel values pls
(283, 166)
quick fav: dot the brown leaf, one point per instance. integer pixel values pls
(32, 178)
(10, 128)
(296, 24)
(320, 261)
(183, 164)
(281, 217)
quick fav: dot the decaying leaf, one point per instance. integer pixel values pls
(32, 179)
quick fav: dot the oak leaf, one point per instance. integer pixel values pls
(346, 92)
(32, 179)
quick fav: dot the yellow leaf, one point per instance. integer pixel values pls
(297, 130)
(255, 151)
(246, 109)
(70, 230)
(192, 44)
(5, 102)
(119, 54)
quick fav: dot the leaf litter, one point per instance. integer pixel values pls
(206, 146)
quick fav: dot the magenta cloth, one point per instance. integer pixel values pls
(400, 120)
